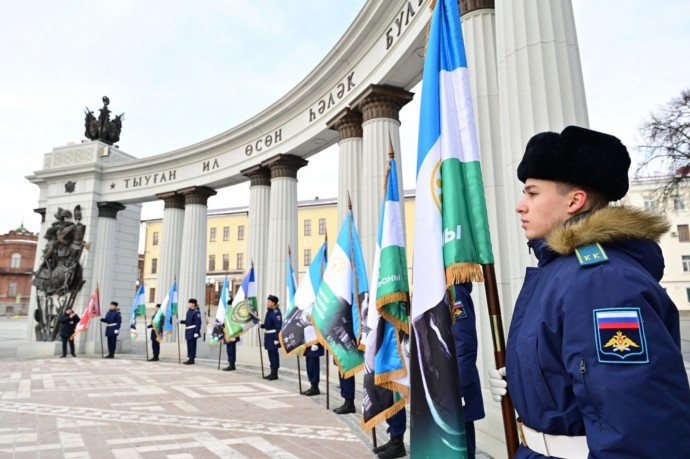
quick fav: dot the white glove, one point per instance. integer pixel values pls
(314, 347)
(196, 335)
(497, 383)
(117, 331)
(276, 342)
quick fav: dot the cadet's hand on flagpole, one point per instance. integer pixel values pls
(314, 347)
(117, 331)
(497, 383)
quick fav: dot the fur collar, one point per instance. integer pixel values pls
(607, 225)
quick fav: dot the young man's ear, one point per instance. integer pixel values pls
(577, 201)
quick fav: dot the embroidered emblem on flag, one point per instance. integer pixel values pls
(620, 337)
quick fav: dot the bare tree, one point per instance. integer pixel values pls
(666, 149)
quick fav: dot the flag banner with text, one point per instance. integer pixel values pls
(138, 309)
(92, 309)
(243, 313)
(343, 293)
(298, 331)
(385, 363)
(162, 322)
(218, 332)
(451, 235)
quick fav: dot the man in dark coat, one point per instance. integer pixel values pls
(112, 321)
(155, 344)
(313, 356)
(192, 323)
(273, 322)
(68, 322)
(231, 349)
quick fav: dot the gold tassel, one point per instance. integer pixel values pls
(463, 272)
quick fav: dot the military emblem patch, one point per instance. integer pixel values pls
(591, 255)
(458, 311)
(620, 337)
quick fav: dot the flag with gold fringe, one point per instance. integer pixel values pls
(92, 309)
(138, 309)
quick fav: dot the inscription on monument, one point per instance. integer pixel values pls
(343, 88)
(264, 142)
(401, 21)
(151, 179)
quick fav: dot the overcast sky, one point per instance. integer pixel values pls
(183, 72)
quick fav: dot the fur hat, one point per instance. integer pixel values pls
(193, 301)
(273, 298)
(578, 156)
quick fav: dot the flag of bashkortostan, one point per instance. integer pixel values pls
(217, 332)
(138, 309)
(451, 235)
(342, 294)
(298, 330)
(243, 313)
(163, 318)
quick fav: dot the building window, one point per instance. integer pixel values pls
(686, 263)
(687, 292)
(12, 289)
(307, 227)
(226, 233)
(678, 203)
(649, 203)
(211, 262)
(322, 226)
(240, 261)
(307, 257)
(226, 262)
(212, 237)
(683, 233)
(240, 233)
(154, 265)
(155, 238)
(16, 260)
(152, 295)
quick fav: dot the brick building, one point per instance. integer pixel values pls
(17, 255)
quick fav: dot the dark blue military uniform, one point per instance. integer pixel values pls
(192, 331)
(465, 334)
(113, 320)
(594, 343)
(67, 326)
(155, 345)
(231, 349)
(313, 358)
(273, 322)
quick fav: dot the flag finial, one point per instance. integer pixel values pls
(349, 201)
(391, 150)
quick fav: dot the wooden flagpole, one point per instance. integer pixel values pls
(299, 376)
(146, 333)
(179, 338)
(328, 386)
(100, 328)
(373, 436)
(221, 343)
(507, 410)
(261, 354)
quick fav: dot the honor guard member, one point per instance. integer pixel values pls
(231, 349)
(593, 359)
(313, 356)
(465, 335)
(112, 321)
(68, 322)
(192, 323)
(155, 345)
(347, 392)
(397, 425)
(273, 322)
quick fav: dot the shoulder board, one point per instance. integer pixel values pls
(591, 255)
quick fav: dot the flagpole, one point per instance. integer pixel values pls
(100, 328)
(507, 410)
(146, 338)
(261, 354)
(220, 346)
(373, 437)
(328, 385)
(179, 353)
(299, 376)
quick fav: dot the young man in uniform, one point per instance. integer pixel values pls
(68, 322)
(155, 345)
(593, 361)
(112, 321)
(273, 322)
(231, 349)
(192, 323)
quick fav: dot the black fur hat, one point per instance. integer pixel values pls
(578, 156)
(193, 301)
(273, 298)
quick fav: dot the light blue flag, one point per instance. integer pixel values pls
(138, 309)
(163, 320)
(217, 333)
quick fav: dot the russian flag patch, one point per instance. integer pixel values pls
(620, 336)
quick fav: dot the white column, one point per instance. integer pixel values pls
(349, 126)
(103, 262)
(540, 89)
(257, 232)
(282, 224)
(171, 243)
(192, 283)
(380, 107)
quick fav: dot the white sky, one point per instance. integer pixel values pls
(183, 72)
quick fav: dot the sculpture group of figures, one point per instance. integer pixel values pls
(103, 128)
(59, 277)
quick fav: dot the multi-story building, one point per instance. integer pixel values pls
(17, 255)
(227, 248)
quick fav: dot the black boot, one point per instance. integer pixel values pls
(230, 367)
(395, 448)
(109, 356)
(347, 407)
(313, 390)
(189, 361)
(274, 374)
(154, 359)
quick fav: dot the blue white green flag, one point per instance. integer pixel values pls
(243, 313)
(451, 235)
(217, 333)
(298, 331)
(163, 320)
(138, 309)
(342, 295)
